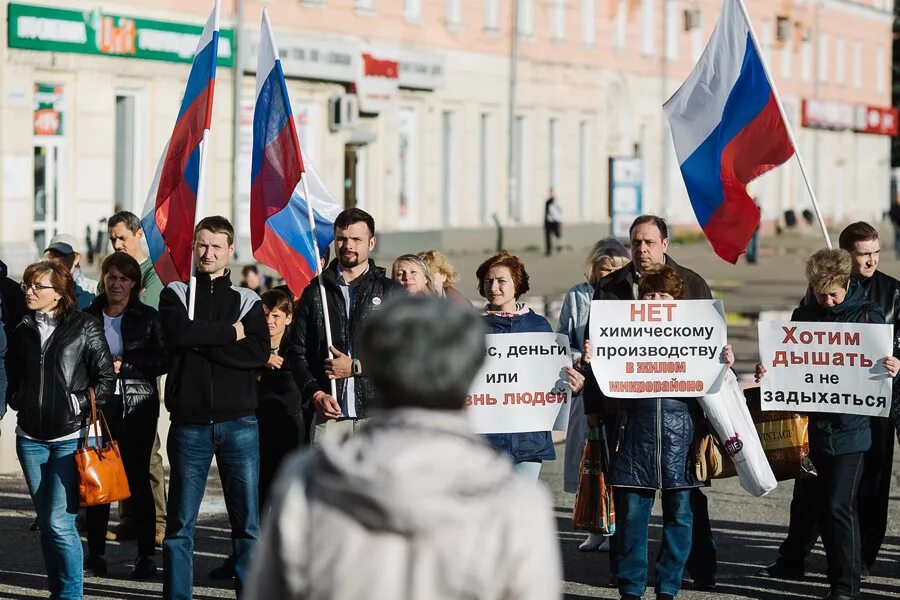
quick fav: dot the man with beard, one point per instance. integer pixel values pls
(355, 287)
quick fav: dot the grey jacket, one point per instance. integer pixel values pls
(413, 507)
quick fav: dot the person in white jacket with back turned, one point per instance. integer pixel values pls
(414, 506)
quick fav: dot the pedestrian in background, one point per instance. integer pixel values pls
(552, 221)
(502, 280)
(441, 513)
(65, 248)
(444, 276)
(12, 301)
(56, 354)
(211, 397)
(606, 256)
(412, 274)
(838, 442)
(138, 346)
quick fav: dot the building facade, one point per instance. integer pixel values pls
(404, 108)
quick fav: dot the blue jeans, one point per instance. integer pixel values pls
(52, 480)
(633, 518)
(235, 444)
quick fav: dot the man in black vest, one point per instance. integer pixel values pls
(649, 242)
(861, 240)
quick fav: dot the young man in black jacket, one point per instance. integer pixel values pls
(861, 240)
(211, 398)
(649, 242)
(355, 288)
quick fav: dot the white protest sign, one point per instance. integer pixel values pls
(521, 386)
(826, 367)
(650, 348)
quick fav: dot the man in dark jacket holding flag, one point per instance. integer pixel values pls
(649, 242)
(355, 288)
(211, 397)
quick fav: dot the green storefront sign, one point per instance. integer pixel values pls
(98, 33)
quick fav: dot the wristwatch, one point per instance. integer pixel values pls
(356, 367)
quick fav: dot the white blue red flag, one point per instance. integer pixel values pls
(728, 130)
(169, 212)
(281, 231)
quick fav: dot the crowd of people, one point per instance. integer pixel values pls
(378, 398)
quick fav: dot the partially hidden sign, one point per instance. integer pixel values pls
(825, 367)
(653, 348)
(99, 33)
(48, 109)
(521, 386)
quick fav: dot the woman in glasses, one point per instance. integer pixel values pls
(56, 354)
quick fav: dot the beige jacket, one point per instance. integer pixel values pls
(413, 507)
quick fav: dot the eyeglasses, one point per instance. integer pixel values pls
(35, 287)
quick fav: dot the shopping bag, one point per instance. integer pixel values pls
(784, 437)
(594, 507)
(731, 421)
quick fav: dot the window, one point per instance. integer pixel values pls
(766, 41)
(553, 152)
(806, 61)
(649, 33)
(492, 15)
(787, 58)
(857, 65)
(673, 29)
(526, 17)
(879, 70)
(840, 61)
(412, 10)
(127, 178)
(520, 170)
(621, 25)
(589, 21)
(487, 167)
(449, 166)
(454, 12)
(364, 6)
(407, 127)
(558, 20)
(698, 40)
(823, 67)
(584, 169)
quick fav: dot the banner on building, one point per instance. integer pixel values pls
(94, 32)
(48, 109)
(826, 367)
(649, 348)
(521, 386)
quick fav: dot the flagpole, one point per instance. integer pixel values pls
(787, 124)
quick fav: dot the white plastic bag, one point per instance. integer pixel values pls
(729, 417)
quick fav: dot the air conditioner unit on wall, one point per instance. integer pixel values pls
(691, 19)
(343, 112)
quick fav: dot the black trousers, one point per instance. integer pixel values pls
(134, 434)
(828, 503)
(873, 498)
(280, 434)
(551, 229)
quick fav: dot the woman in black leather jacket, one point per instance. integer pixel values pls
(56, 353)
(140, 355)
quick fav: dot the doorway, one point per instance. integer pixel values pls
(354, 176)
(46, 207)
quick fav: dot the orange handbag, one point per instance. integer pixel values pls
(101, 473)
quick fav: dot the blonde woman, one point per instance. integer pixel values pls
(412, 273)
(444, 276)
(606, 256)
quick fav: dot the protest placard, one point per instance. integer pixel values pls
(825, 367)
(650, 348)
(521, 386)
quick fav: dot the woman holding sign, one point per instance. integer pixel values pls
(837, 441)
(502, 280)
(653, 451)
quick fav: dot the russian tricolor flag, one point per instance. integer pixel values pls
(169, 212)
(288, 201)
(728, 130)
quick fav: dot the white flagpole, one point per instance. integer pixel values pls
(200, 205)
(787, 124)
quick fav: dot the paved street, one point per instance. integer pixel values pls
(748, 530)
